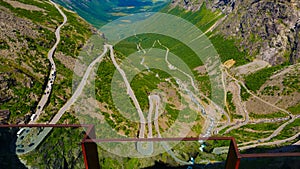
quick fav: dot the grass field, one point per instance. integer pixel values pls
(255, 80)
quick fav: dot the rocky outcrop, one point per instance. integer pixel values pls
(295, 52)
(4, 116)
(6, 82)
(266, 29)
(225, 5)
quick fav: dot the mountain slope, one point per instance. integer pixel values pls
(26, 36)
(266, 29)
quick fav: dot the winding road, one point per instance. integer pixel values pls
(154, 100)
(40, 136)
(52, 75)
(130, 92)
(236, 89)
(280, 128)
(45, 96)
(263, 141)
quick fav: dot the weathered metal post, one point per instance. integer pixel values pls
(89, 149)
(233, 160)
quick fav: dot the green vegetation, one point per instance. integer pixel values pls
(230, 103)
(103, 93)
(204, 19)
(3, 45)
(47, 17)
(103, 81)
(144, 83)
(227, 49)
(127, 163)
(120, 123)
(28, 87)
(204, 84)
(263, 126)
(188, 116)
(128, 46)
(244, 94)
(244, 136)
(74, 35)
(269, 115)
(58, 151)
(216, 143)
(172, 113)
(21, 102)
(182, 150)
(289, 131)
(255, 80)
(270, 90)
(236, 116)
(295, 109)
(60, 93)
(232, 107)
(261, 130)
(291, 84)
(187, 149)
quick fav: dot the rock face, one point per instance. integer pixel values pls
(267, 29)
(5, 87)
(225, 5)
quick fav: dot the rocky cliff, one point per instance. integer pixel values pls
(266, 29)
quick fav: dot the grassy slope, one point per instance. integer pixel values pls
(204, 19)
(74, 35)
(255, 80)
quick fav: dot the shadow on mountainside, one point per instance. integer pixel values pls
(8, 156)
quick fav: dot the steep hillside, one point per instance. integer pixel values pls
(266, 29)
(26, 36)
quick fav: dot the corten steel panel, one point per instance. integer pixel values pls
(90, 151)
(233, 160)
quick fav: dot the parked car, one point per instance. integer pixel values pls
(20, 150)
(20, 146)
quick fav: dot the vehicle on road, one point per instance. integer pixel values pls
(33, 116)
(20, 132)
(20, 150)
(20, 146)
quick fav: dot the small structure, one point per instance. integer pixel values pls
(229, 63)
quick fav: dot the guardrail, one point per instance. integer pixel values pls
(91, 158)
